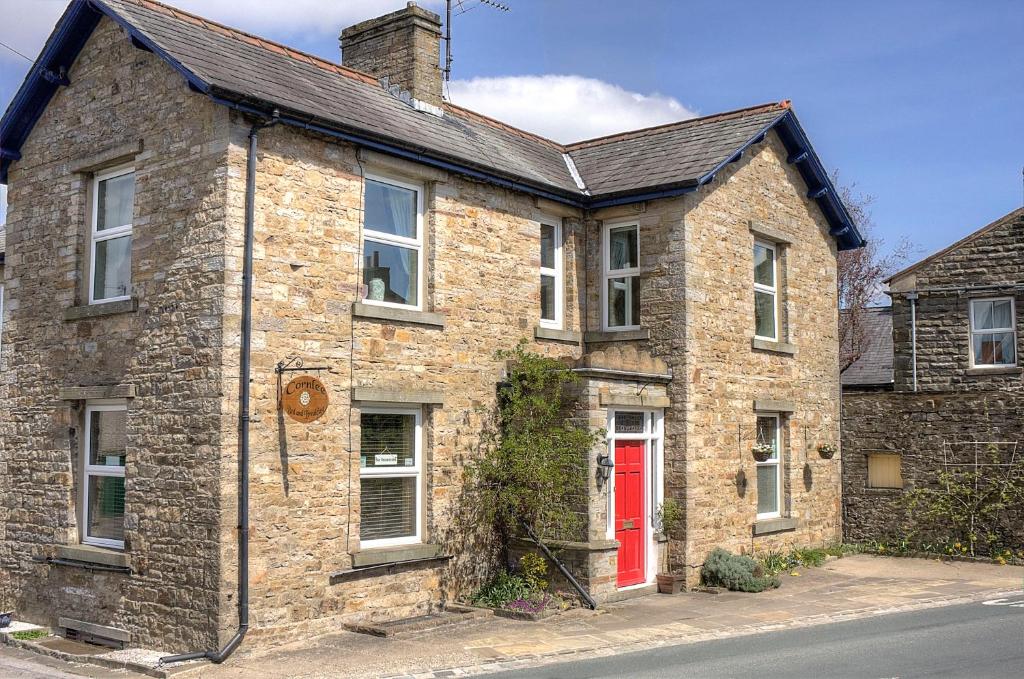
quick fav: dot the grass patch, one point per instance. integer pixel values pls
(30, 634)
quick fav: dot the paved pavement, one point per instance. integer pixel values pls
(971, 640)
(852, 588)
(16, 663)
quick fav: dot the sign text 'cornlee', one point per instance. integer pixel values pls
(304, 399)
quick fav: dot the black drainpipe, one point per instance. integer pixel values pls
(243, 414)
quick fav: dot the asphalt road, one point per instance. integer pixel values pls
(971, 640)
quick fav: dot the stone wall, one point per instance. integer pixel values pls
(305, 477)
(720, 374)
(993, 257)
(924, 429)
(122, 103)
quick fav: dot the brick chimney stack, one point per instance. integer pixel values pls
(404, 46)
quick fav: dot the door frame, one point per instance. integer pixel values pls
(654, 483)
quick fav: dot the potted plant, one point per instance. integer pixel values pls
(827, 450)
(667, 518)
(763, 451)
(6, 614)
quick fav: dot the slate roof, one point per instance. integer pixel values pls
(256, 75)
(874, 367)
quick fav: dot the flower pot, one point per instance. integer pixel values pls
(5, 619)
(762, 455)
(827, 452)
(671, 583)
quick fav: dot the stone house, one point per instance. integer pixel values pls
(939, 378)
(153, 489)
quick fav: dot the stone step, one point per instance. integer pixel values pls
(452, 615)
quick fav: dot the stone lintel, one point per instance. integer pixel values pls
(632, 401)
(998, 370)
(772, 235)
(115, 155)
(123, 306)
(555, 209)
(628, 375)
(766, 526)
(398, 554)
(396, 315)
(90, 554)
(770, 405)
(617, 335)
(776, 347)
(397, 394)
(388, 164)
(95, 630)
(541, 332)
(97, 392)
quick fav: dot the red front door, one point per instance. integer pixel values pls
(629, 511)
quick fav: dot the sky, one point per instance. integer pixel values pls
(919, 104)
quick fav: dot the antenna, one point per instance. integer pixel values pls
(463, 7)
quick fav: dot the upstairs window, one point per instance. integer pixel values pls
(622, 277)
(551, 281)
(113, 204)
(766, 307)
(393, 243)
(993, 337)
(103, 475)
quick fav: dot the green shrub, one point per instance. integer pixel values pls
(504, 588)
(809, 557)
(30, 634)
(737, 573)
(534, 569)
(776, 562)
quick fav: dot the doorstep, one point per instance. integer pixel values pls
(631, 593)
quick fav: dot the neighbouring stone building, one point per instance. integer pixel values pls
(939, 378)
(688, 271)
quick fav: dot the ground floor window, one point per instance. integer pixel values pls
(769, 472)
(390, 476)
(103, 474)
(884, 471)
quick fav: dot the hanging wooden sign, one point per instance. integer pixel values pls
(304, 399)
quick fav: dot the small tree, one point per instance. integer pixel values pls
(534, 470)
(861, 272)
(667, 519)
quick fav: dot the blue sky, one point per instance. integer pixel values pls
(920, 103)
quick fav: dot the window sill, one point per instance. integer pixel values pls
(540, 332)
(779, 525)
(882, 491)
(387, 313)
(774, 347)
(88, 554)
(617, 335)
(86, 311)
(994, 370)
(380, 556)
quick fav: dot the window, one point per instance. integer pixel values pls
(884, 471)
(110, 259)
(103, 475)
(393, 243)
(765, 292)
(993, 340)
(769, 472)
(622, 277)
(389, 477)
(551, 275)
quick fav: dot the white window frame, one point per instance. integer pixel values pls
(415, 471)
(609, 273)
(96, 236)
(91, 470)
(400, 241)
(558, 273)
(654, 486)
(777, 463)
(1012, 330)
(772, 290)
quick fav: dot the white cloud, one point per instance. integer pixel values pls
(566, 108)
(27, 23)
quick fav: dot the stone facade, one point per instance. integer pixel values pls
(954, 409)
(172, 352)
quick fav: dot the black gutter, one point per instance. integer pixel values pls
(243, 413)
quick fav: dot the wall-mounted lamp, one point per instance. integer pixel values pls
(604, 466)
